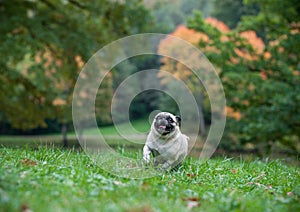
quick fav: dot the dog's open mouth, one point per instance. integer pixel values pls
(162, 127)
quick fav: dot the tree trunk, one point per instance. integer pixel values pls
(201, 116)
(64, 134)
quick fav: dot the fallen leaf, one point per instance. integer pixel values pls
(269, 186)
(258, 184)
(192, 202)
(145, 208)
(253, 183)
(25, 208)
(259, 177)
(190, 175)
(191, 199)
(28, 162)
(234, 171)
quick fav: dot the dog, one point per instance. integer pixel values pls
(165, 142)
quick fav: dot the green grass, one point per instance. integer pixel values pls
(141, 126)
(51, 179)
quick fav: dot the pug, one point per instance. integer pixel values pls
(165, 142)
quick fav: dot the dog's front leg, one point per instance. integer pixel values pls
(146, 154)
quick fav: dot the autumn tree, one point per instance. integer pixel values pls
(181, 72)
(260, 75)
(43, 47)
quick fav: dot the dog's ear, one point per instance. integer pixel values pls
(178, 119)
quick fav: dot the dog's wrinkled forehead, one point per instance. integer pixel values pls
(165, 115)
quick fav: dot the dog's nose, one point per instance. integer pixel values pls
(163, 122)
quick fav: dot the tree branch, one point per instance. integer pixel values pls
(77, 4)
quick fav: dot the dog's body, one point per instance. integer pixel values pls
(166, 142)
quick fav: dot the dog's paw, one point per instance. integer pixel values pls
(163, 167)
(146, 159)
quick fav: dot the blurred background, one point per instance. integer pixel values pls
(254, 46)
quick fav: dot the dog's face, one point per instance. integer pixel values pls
(165, 123)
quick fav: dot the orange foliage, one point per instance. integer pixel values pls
(263, 75)
(195, 37)
(230, 112)
(169, 45)
(217, 24)
(79, 61)
(172, 46)
(182, 72)
(256, 42)
(59, 102)
(190, 35)
(267, 55)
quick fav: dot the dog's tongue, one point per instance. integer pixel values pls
(162, 127)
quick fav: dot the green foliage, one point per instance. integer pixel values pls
(188, 6)
(274, 18)
(262, 86)
(168, 16)
(43, 43)
(48, 179)
(231, 11)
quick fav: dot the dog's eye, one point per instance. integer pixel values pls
(170, 120)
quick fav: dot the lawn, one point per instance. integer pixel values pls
(52, 179)
(142, 126)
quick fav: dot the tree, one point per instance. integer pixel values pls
(231, 11)
(146, 101)
(43, 46)
(261, 76)
(181, 72)
(188, 6)
(168, 16)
